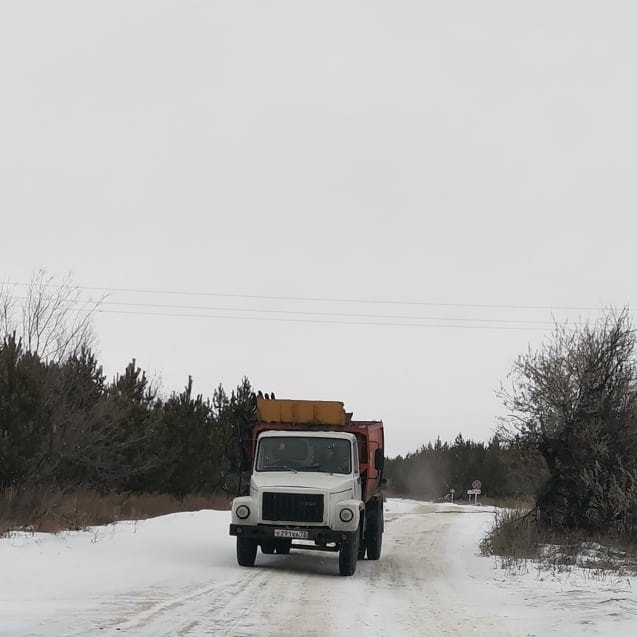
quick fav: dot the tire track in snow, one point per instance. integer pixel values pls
(213, 609)
(407, 592)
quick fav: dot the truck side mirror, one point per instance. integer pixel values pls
(379, 460)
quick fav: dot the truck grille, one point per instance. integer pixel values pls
(293, 507)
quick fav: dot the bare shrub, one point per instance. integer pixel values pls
(515, 537)
(520, 542)
(575, 401)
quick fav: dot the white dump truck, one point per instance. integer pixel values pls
(315, 484)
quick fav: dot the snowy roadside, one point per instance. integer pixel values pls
(60, 584)
(177, 574)
(575, 602)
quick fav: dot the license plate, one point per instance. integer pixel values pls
(291, 533)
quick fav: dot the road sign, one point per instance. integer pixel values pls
(474, 492)
(476, 484)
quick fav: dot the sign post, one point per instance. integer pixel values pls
(475, 491)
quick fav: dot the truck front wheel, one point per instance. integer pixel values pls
(246, 551)
(348, 556)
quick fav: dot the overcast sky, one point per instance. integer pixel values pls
(432, 156)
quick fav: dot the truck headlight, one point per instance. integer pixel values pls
(346, 515)
(243, 511)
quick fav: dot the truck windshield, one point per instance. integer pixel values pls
(297, 453)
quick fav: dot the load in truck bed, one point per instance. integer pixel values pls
(306, 412)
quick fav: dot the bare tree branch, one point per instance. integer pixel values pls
(56, 321)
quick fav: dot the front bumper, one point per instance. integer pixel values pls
(320, 535)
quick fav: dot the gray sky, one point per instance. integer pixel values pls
(466, 153)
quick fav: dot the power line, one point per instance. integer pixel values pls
(309, 313)
(319, 321)
(322, 299)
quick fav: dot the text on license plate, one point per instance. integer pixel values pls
(291, 533)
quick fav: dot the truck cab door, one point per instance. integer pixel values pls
(358, 484)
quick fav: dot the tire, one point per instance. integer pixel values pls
(362, 543)
(348, 556)
(268, 546)
(375, 533)
(374, 544)
(283, 547)
(246, 551)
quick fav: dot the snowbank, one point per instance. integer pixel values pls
(573, 603)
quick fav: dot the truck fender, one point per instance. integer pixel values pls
(356, 507)
(245, 501)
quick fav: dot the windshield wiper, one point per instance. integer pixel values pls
(274, 467)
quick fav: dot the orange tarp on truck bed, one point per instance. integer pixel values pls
(311, 412)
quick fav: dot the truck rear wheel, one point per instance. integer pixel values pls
(374, 544)
(375, 533)
(348, 556)
(362, 543)
(246, 551)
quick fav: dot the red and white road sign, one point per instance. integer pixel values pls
(476, 484)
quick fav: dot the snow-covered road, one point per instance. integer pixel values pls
(177, 575)
(408, 592)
